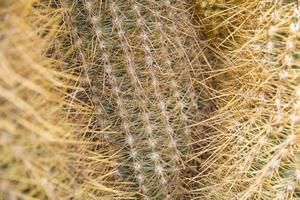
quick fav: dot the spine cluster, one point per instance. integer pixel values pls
(135, 88)
(258, 153)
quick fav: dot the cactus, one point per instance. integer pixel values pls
(255, 152)
(225, 21)
(30, 140)
(40, 148)
(135, 62)
(110, 97)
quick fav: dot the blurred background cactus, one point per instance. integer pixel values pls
(31, 166)
(255, 150)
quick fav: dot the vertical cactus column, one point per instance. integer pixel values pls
(135, 62)
(85, 56)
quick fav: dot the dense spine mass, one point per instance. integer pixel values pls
(31, 149)
(256, 150)
(135, 62)
(99, 99)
